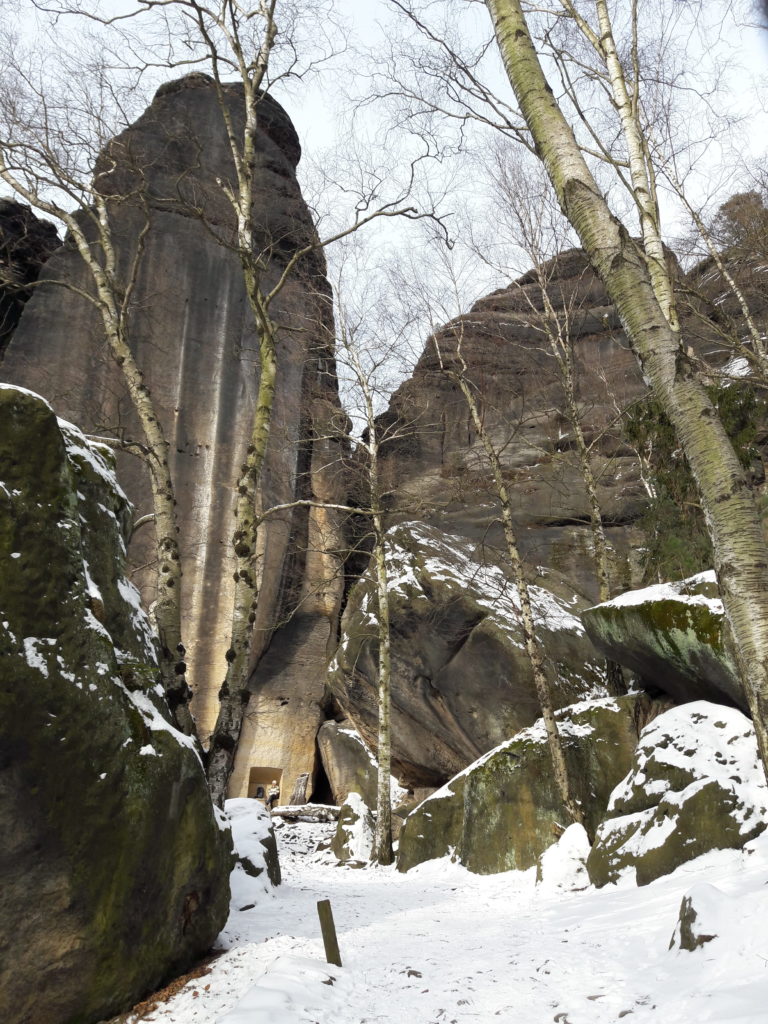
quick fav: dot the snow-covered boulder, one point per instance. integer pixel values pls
(503, 811)
(254, 839)
(672, 636)
(696, 784)
(562, 867)
(461, 680)
(699, 921)
(353, 840)
(114, 869)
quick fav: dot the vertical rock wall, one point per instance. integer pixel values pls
(192, 332)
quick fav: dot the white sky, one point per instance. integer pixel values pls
(322, 115)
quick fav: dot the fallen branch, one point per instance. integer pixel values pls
(307, 812)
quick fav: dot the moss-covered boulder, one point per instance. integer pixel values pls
(696, 784)
(504, 810)
(114, 868)
(672, 636)
(461, 681)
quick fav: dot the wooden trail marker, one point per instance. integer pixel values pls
(331, 943)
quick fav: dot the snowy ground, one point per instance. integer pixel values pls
(441, 945)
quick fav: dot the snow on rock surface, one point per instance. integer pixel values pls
(253, 837)
(354, 832)
(461, 680)
(672, 636)
(504, 810)
(563, 866)
(696, 784)
(114, 870)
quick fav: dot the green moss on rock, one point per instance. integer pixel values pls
(115, 872)
(502, 812)
(671, 635)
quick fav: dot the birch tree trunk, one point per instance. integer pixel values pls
(533, 648)
(740, 554)
(561, 347)
(111, 297)
(382, 844)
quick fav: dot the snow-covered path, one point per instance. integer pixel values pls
(445, 946)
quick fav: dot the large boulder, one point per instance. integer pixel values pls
(255, 843)
(194, 337)
(461, 680)
(696, 784)
(349, 765)
(114, 867)
(353, 839)
(504, 810)
(673, 636)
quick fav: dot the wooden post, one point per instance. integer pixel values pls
(324, 912)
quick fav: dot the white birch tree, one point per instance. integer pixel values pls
(638, 281)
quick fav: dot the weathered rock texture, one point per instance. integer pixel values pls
(438, 466)
(440, 463)
(25, 244)
(461, 680)
(695, 785)
(193, 335)
(503, 811)
(348, 763)
(672, 635)
(114, 870)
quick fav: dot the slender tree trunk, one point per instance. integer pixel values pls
(532, 646)
(561, 347)
(173, 667)
(234, 694)
(168, 601)
(740, 554)
(382, 848)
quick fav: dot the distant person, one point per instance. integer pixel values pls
(274, 794)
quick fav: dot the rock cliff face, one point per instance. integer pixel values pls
(192, 333)
(25, 244)
(440, 469)
(440, 464)
(115, 871)
(461, 681)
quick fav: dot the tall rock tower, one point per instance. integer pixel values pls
(193, 335)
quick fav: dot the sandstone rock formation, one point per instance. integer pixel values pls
(695, 784)
(440, 466)
(504, 810)
(461, 681)
(115, 871)
(348, 764)
(671, 635)
(25, 244)
(192, 333)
